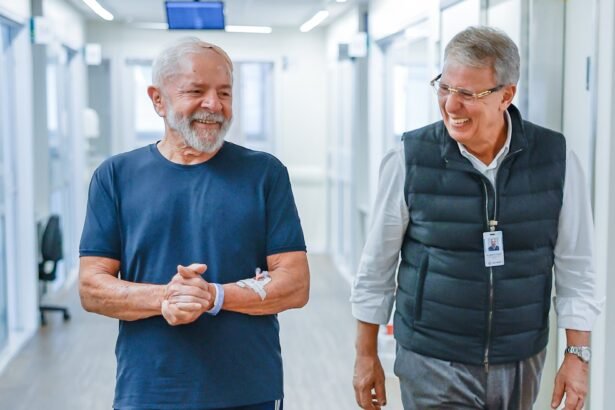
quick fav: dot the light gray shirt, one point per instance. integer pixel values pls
(373, 291)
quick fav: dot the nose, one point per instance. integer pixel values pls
(211, 102)
(453, 102)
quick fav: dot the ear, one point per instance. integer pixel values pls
(507, 96)
(156, 96)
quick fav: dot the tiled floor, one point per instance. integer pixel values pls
(70, 366)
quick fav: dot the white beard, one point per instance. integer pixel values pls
(208, 141)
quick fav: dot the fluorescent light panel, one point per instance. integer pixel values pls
(151, 26)
(98, 9)
(230, 29)
(314, 21)
(248, 29)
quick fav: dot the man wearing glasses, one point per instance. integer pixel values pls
(472, 324)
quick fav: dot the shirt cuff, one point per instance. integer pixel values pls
(374, 309)
(576, 313)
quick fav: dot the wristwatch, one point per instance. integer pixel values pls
(582, 352)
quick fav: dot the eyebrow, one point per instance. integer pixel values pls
(202, 85)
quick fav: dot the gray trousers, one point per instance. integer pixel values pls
(429, 383)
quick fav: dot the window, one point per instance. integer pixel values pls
(148, 126)
(255, 111)
(253, 106)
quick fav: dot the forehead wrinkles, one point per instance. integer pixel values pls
(187, 74)
(468, 82)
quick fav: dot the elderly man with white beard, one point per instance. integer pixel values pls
(173, 236)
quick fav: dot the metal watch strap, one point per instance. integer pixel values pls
(582, 352)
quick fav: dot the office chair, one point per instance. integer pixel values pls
(51, 252)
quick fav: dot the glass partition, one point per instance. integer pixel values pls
(5, 125)
(59, 107)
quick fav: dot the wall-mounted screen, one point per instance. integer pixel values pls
(195, 15)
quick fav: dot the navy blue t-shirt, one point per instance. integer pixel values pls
(230, 213)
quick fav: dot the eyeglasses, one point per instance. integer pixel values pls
(444, 91)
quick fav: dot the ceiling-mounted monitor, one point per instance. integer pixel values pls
(195, 15)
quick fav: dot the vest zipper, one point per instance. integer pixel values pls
(490, 320)
(492, 223)
(490, 314)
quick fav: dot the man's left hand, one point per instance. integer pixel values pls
(187, 296)
(572, 380)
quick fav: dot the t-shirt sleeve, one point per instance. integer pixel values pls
(101, 234)
(284, 233)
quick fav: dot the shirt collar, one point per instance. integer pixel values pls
(500, 155)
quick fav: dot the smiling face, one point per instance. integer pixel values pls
(196, 101)
(478, 123)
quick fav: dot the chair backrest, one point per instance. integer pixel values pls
(51, 243)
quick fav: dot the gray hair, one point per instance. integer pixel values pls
(171, 58)
(483, 46)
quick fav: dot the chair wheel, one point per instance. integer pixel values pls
(66, 316)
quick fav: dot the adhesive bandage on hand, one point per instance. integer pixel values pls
(257, 284)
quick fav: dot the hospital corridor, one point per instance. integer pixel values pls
(323, 116)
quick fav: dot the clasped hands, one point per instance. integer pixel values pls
(187, 296)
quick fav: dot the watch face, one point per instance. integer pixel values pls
(585, 355)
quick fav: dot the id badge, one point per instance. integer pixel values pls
(494, 248)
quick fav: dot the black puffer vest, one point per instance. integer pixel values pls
(448, 304)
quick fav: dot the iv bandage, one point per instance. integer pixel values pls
(256, 284)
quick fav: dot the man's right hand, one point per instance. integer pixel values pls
(368, 382)
(368, 379)
(187, 296)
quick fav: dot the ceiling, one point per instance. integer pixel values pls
(273, 13)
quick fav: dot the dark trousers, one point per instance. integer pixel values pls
(270, 405)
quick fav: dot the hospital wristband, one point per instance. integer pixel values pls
(218, 300)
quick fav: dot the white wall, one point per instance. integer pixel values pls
(602, 368)
(299, 100)
(18, 10)
(342, 30)
(65, 22)
(387, 17)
